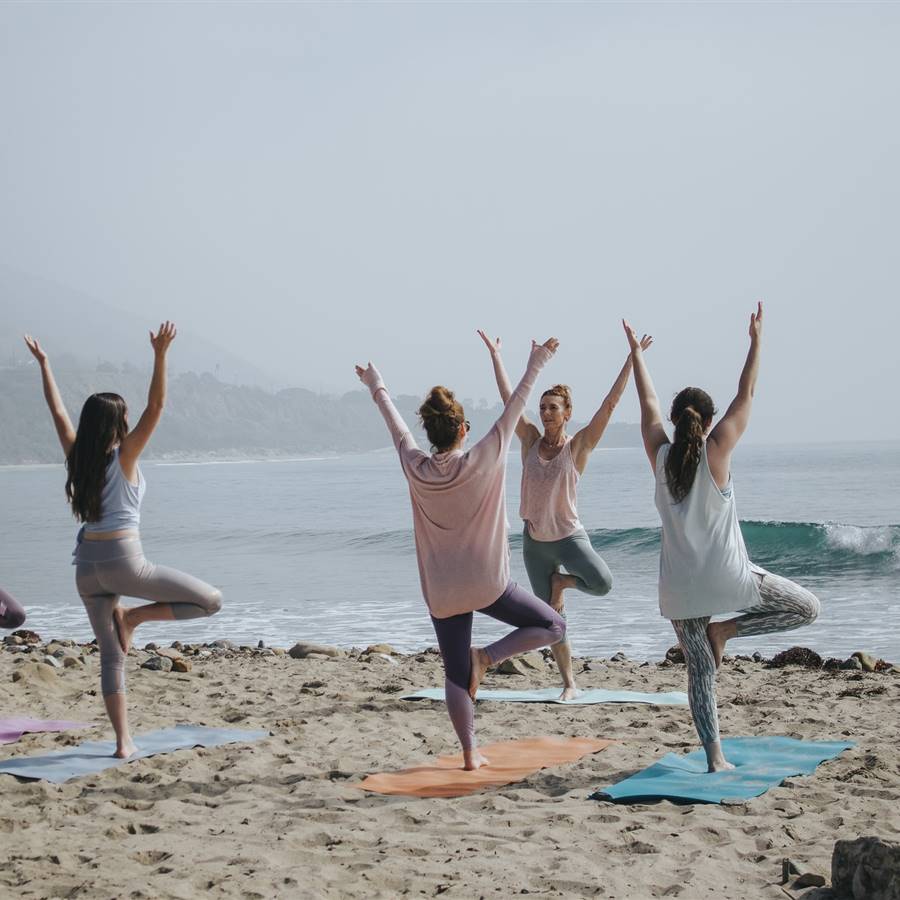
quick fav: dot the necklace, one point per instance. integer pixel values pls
(547, 443)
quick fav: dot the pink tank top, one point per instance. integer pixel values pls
(549, 488)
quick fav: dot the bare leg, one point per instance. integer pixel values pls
(562, 655)
(715, 759)
(117, 710)
(719, 633)
(473, 759)
(480, 664)
(127, 619)
(560, 582)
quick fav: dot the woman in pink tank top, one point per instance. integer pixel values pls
(557, 550)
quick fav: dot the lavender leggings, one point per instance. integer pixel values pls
(11, 613)
(537, 625)
(108, 569)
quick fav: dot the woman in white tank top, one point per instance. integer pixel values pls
(552, 463)
(704, 568)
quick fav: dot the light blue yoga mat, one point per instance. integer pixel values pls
(92, 757)
(551, 695)
(760, 763)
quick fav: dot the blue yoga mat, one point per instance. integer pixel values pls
(760, 763)
(92, 757)
(551, 695)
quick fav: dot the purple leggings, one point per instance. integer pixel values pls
(11, 613)
(537, 625)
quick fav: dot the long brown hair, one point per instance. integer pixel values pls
(441, 416)
(691, 409)
(101, 426)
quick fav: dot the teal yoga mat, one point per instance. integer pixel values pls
(760, 763)
(95, 756)
(551, 695)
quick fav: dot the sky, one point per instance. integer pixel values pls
(314, 185)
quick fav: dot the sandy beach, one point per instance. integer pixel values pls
(282, 818)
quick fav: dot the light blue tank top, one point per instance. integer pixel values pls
(120, 502)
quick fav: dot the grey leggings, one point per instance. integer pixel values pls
(11, 613)
(575, 554)
(108, 569)
(783, 605)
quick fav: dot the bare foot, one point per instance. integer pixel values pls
(569, 692)
(718, 633)
(124, 628)
(480, 664)
(559, 583)
(125, 749)
(472, 759)
(720, 766)
(715, 758)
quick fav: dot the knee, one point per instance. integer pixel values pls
(214, 604)
(813, 606)
(15, 618)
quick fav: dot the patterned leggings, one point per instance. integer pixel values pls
(783, 605)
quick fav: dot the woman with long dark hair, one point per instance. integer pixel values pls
(704, 569)
(552, 465)
(105, 487)
(459, 519)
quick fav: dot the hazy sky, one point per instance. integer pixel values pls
(312, 185)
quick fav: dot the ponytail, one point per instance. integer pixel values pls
(690, 410)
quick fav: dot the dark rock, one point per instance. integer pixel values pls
(831, 664)
(852, 663)
(866, 869)
(757, 657)
(28, 637)
(158, 664)
(796, 656)
(675, 655)
(809, 879)
(150, 646)
(618, 657)
(222, 644)
(261, 645)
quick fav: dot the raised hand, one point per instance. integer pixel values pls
(161, 340)
(633, 341)
(369, 376)
(550, 344)
(646, 341)
(493, 346)
(35, 349)
(756, 321)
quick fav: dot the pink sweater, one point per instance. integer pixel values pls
(459, 504)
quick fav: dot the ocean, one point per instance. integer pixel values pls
(322, 549)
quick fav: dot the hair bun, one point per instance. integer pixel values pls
(441, 414)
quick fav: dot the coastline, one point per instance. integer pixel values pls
(282, 816)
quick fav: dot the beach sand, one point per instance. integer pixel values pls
(282, 818)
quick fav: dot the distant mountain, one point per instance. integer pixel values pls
(206, 417)
(74, 326)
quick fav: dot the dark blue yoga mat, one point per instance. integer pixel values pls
(92, 757)
(760, 763)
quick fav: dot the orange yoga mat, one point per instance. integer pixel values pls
(509, 761)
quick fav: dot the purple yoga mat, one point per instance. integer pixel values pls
(12, 729)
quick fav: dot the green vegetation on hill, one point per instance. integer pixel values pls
(206, 417)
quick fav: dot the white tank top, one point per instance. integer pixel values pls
(120, 502)
(703, 566)
(549, 491)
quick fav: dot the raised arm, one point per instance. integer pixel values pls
(526, 431)
(653, 431)
(400, 433)
(515, 405)
(61, 421)
(585, 440)
(136, 440)
(724, 437)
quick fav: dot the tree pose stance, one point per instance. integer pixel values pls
(105, 488)
(552, 464)
(459, 517)
(704, 569)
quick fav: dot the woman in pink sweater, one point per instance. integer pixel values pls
(459, 518)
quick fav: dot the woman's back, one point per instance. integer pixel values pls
(120, 500)
(703, 568)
